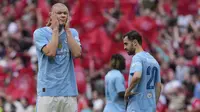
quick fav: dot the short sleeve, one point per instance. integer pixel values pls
(39, 40)
(75, 35)
(119, 84)
(136, 65)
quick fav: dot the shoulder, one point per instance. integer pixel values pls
(113, 74)
(74, 31)
(153, 60)
(39, 31)
(136, 57)
(117, 74)
(37, 34)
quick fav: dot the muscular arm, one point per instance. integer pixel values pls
(50, 48)
(135, 80)
(73, 45)
(158, 90)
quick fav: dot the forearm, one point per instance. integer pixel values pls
(134, 82)
(73, 45)
(158, 90)
(53, 44)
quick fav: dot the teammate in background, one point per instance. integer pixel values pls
(56, 45)
(114, 85)
(144, 77)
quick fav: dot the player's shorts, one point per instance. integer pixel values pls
(56, 104)
(110, 107)
(141, 103)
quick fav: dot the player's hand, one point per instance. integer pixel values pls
(67, 26)
(128, 93)
(54, 21)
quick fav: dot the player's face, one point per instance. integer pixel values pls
(62, 14)
(128, 46)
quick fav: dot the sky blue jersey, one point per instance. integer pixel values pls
(114, 83)
(145, 100)
(56, 75)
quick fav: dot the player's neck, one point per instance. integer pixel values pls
(59, 28)
(139, 49)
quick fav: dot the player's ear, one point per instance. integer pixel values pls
(135, 42)
(48, 22)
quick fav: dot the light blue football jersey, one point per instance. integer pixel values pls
(56, 75)
(145, 100)
(114, 83)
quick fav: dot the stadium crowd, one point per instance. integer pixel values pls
(170, 29)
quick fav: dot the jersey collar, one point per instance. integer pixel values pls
(50, 30)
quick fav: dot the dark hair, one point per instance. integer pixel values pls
(117, 62)
(132, 35)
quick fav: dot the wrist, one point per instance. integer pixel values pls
(69, 33)
(128, 90)
(55, 30)
(67, 30)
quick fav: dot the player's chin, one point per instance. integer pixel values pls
(62, 23)
(130, 53)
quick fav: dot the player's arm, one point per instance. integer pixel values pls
(73, 45)
(158, 90)
(75, 48)
(136, 72)
(122, 94)
(50, 48)
(134, 81)
(158, 85)
(44, 45)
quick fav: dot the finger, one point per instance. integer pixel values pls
(68, 18)
(54, 17)
(125, 98)
(67, 24)
(133, 93)
(48, 23)
(51, 17)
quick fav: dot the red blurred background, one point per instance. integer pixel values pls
(170, 30)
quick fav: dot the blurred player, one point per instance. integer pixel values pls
(144, 77)
(114, 85)
(56, 46)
